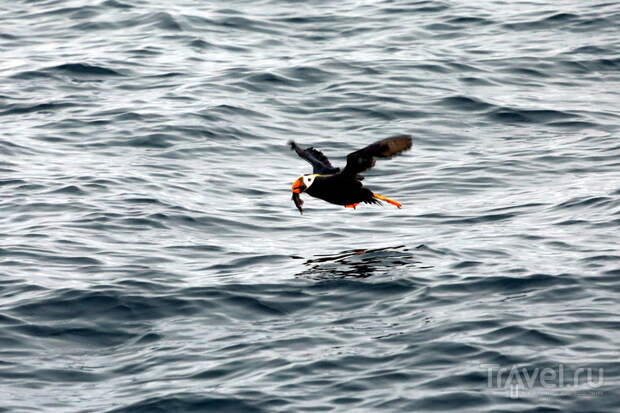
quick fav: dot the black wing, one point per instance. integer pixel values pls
(320, 163)
(364, 159)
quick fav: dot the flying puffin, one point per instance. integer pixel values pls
(344, 187)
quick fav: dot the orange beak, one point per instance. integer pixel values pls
(298, 186)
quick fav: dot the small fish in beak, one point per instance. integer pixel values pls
(298, 202)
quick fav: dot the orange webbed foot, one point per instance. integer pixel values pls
(388, 200)
(351, 205)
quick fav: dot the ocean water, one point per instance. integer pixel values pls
(151, 259)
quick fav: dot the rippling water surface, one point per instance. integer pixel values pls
(151, 258)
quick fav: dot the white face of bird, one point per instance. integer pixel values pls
(303, 183)
(308, 180)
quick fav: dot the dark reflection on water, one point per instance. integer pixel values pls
(359, 263)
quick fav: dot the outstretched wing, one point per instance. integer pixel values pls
(320, 163)
(364, 159)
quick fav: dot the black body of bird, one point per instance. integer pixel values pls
(344, 187)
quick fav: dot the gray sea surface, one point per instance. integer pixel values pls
(151, 259)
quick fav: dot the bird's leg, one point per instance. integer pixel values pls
(351, 205)
(388, 200)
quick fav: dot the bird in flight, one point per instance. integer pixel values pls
(344, 187)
